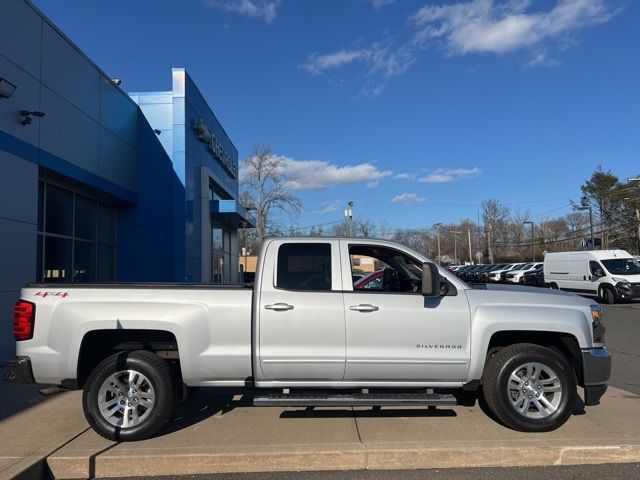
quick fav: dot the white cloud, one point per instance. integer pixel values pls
(329, 206)
(264, 10)
(407, 198)
(442, 175)
(469, 27)
(318, 64)
(381, 60)
(486, 26)
(541, 59)
(404, 176)
(378, 4)
(320, 174)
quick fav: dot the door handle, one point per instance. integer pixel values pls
(279, 307)
(364, 307)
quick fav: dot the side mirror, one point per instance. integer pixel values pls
(430, 280)
(599, 273)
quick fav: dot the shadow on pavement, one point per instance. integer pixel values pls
(14, 398)
(203, 403)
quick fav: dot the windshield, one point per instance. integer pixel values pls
(622, 266)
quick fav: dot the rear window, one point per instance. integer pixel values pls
(304, 266)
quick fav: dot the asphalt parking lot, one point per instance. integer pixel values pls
(623, 341)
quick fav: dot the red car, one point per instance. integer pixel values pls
(371, 281)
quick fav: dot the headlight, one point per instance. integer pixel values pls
(596, 323)
(618, 279)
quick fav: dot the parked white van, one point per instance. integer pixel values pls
(612, 275)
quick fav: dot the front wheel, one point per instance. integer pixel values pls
(607, 296)
(129, 396)
(530, 388)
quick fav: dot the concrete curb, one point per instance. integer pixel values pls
(322, 457)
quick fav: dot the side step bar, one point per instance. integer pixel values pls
(352, 399)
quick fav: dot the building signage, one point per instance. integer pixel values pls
(215, 147)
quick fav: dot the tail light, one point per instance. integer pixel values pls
(24, 314)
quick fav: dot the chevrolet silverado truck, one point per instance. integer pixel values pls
(303, 336)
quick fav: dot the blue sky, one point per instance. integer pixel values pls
(415, 110)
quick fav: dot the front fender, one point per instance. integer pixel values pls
(491, 319)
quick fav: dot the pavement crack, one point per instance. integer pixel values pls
(366, 447)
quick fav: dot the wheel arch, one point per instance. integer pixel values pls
(96, 345)
(562, 343)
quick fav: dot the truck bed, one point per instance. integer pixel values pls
(164, 285)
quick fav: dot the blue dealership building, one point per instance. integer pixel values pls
(98, 185)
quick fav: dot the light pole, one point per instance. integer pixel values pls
(637, 179)
(438, 225)
(455, 246)
(349, 214)
(470, 253)
(593, 245)
(533, 247)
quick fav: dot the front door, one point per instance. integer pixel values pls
(396, 334)
(302, 323)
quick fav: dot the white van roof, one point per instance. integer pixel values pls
(588, 254)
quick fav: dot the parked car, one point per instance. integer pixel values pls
(303, 335)
(534, 277)
(476, 274)
(468, 275)
(517, 276)
(483, 276)
(461, 271)
(503, 274)
(494, 275)
(370, 281)
(611, 275)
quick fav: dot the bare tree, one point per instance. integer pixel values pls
(264, 190)
(495, 216)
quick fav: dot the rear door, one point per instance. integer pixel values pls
(301, 324)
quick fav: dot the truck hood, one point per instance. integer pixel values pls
(521, 295)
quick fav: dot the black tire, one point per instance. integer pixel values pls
(160, 381)
(607, 295)
(496, 381)
(553, 286)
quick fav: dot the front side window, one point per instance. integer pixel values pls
(304, 266)
(595, 268)
(393, 271)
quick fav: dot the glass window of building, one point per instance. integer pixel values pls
(76, 237)
(220, 254)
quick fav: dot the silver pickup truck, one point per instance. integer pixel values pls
(306, 335)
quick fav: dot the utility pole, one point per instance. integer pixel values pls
(470, 253)
(438, 225)
(455, 246)
(638, 218)
(533, 247)
(349, 214)
(489, 250)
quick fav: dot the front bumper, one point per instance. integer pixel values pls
(628, 291)
(596, 369)
(19, 371)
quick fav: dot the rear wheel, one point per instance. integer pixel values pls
(129, 396)
(607, 295)
(530, 388)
